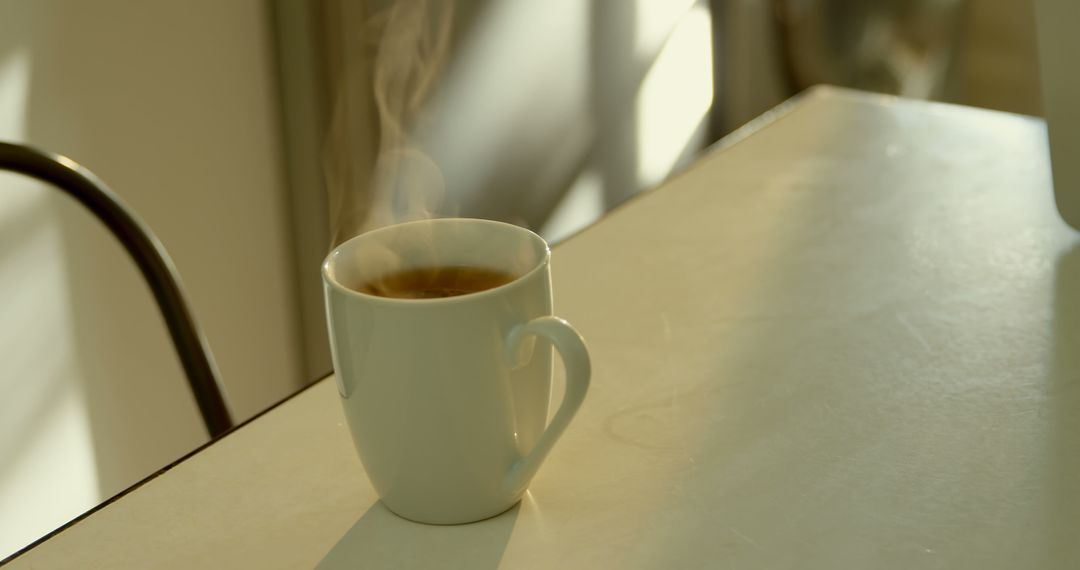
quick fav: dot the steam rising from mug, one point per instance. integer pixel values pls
(374, 181)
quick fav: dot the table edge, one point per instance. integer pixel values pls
(133, 487)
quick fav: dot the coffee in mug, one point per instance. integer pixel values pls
(435, 282)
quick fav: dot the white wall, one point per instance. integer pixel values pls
(172, 104)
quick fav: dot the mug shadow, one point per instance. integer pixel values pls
(381, 539)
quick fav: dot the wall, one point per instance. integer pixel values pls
(997, 63)
(172, 104)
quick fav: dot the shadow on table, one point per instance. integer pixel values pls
(1062, 453)
(381, 539)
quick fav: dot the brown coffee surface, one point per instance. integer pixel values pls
(436, 282)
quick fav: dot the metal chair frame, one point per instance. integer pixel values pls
(153, 261)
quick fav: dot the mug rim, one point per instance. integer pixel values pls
(332, 282)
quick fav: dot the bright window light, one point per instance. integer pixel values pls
(675, 96)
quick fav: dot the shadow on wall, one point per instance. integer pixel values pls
(47, 469)
(542, 107)
(185, 132)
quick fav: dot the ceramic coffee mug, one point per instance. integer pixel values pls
(447, 398)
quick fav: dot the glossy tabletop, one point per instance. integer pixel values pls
(848, 337)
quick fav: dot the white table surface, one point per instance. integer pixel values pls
(848, 339)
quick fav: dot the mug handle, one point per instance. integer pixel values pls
(575, 359)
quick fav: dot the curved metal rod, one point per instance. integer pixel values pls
(153, 261)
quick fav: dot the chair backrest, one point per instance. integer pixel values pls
(154, 263)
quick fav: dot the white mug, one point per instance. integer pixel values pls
(447, 398)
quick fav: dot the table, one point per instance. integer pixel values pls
(847, 337)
